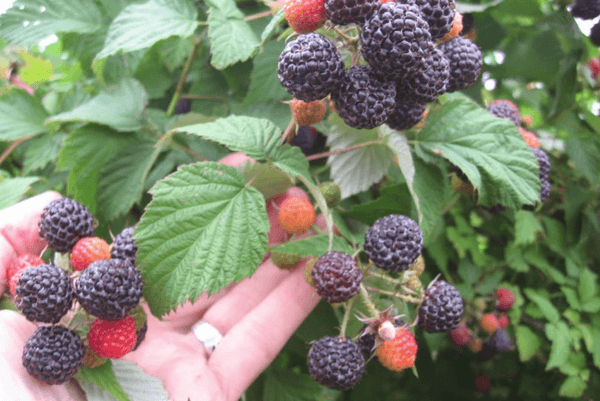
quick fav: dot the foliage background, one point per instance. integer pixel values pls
(105, 94)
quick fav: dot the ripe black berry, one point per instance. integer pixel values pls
(442, 308)
(305, 139)
(310, 67)
(123, 246)
(595, 34)
(362, 99)
(344, 12)
(53, 354)
(64, 222)
(505, 109)
(336, 277)
(336, 362)
(395, 41)
(585, 9)
(109, 289)
(405, 115)
(544, 175)
(394, 242)
(465, 62)
(439, 14)
(425, 87)
(44, 293)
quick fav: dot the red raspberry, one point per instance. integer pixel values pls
(22, 262)
(503, 321)
(504, 299)
(88, 250)
(12, 284)
(461, 335)
(399, 353)
(304, 16)
(530, 138)
(112, 339)
(594, 66)
(308, 113)
(489, 323)
(482, 383)
(296, 215)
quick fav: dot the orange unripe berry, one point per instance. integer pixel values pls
(489, 323)
(457, 27)
(296, 215)
(88, 250)
(400, 353)
(308, 113)
(530, 138)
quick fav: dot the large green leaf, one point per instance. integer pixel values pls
(528, 343)
(256, 137)
(21, 116)
(313, 246)
(30, 21)
(489, 150)
(291, 160)
(204, 229)
(232, 39)
(561, 340)
(264, 84)
(99, 381)
(572, 387)
(549, 310)
(119, 107)
(288, 385)
(13, 189)
(42, 151)
(356, 170)
(139, 26)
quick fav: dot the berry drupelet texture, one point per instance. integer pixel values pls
(505, 109)
(439, 15)
(442, 309)
(427, 86)
(344, 12)
(44, 293)
(109, 289)
(64, 222)
(362, 99)
(336, 362)
(310, 67)
(405, 115)
(123, 246)
(394, 242)
(53, 354)
(395, 41)
(465, 62)
(336, 277)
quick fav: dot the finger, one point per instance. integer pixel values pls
(251, 345)
(20, 385)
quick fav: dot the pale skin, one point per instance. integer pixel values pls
(256, 316)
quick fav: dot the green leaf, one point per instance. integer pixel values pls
(232, 39)
(468, 271)
(572, 298)
(85, 153)
(357, 170)
(432, 189)
(572, 387)
(313, 246)
(561, 340)
(98, 380)
(394, 199)
(134, 382)
(21, 116)
(42, 150)
(291, 160)
(256, 137)
(267, 178)
(526, 227)
(586, 334)
(591, 306)
(596, 348)
(276, 20)
(399, 145)
(475, 8)
(119, 107)
(287, 385)
(587, 285)
(13, 189)
(122, 178)
(50, 16)
(528, 343)
(139, 26)
(549, 311)
(264, 84)
(203, 230)
(489, 150)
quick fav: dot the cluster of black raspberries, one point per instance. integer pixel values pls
(394, 244)
(408, 66)
(108, 289)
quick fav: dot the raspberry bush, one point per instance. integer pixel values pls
(458, 177)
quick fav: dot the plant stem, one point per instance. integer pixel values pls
(367, 301)
(288, 131)
(385, 277)
(258, 15)
(200, 97)
(184, 74)
(406, 298)
(10, 148)
(344, 150)
(348, 307)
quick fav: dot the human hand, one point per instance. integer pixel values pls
(256, 317)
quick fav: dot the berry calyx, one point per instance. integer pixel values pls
(296, 215)
(304, 16)
(308, 113)
(489, 323)
(88, 250)
(112, 339)
(505, 299)
(400, 353)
